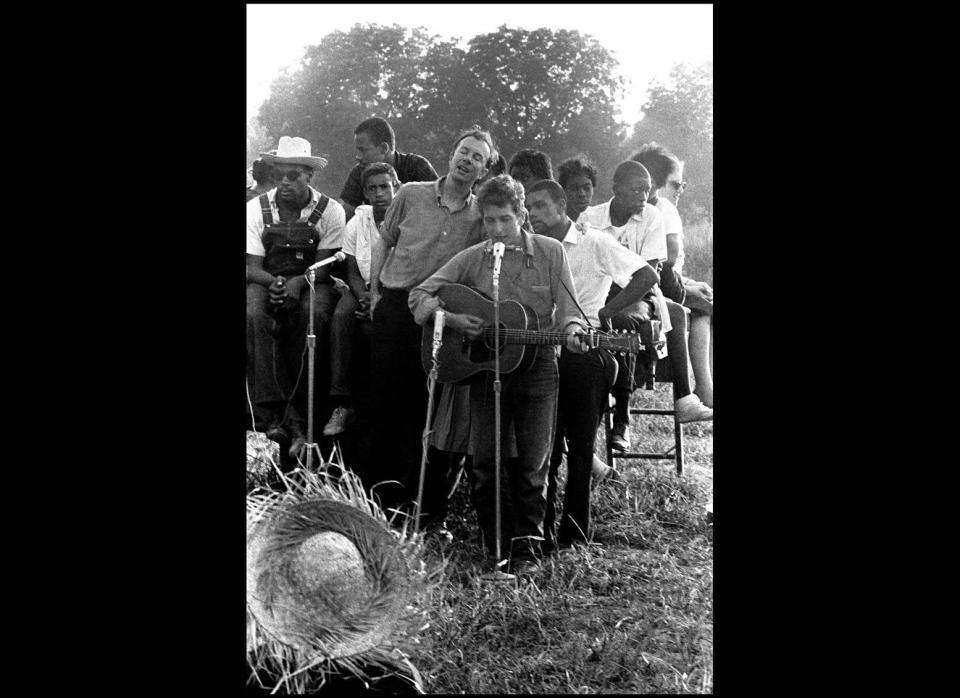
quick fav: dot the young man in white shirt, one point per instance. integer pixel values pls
(379, 183)
(596, 262)
(639, 227)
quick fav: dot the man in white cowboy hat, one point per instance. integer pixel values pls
(288, 229)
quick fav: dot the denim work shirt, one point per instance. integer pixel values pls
(530, 275)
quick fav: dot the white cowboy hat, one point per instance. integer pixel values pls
(293, 151)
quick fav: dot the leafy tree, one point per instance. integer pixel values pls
(371, 70)
(680, 116)
(551, 90)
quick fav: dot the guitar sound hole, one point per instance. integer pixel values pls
(481, 349)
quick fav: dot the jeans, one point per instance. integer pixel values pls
(528, 403)
(277, 367)
(343, 331)
(585, 381)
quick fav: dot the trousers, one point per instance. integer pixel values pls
(585, 381)
(277, 366)
(528, 406)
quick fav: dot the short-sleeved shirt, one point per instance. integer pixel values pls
(596, 262)
(410, 167)
(530, 274)
(330, 226)
(424, 233)
(358, 238)
(642, 234)
(672, 225)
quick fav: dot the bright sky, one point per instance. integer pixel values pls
(646, 39)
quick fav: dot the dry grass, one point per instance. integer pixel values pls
(630, 613)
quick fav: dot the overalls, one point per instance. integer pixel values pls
(275, 362)
(290, 247)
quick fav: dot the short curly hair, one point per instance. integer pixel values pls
(378, 168)
(576, 167)
(502, 190)
(379, 130)
(536, 161)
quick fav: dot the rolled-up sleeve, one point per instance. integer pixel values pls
(423, 301)
(567, 311)
(390, 230)
(255, 229)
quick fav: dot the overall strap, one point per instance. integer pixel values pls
(267, 211)
(318, 210)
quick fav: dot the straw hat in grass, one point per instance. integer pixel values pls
(329, 585)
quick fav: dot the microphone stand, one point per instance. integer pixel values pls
(431, 385)
(311, 350)
(497, 575)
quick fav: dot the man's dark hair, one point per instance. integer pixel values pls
(502, 190)
(536, 161)
(262, 172)
(378, 168)
(481, 135)
(379, 131)
(576, 167)
(552, 188)
(659, 161)
(629, 168)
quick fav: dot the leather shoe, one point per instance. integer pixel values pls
(620, 437)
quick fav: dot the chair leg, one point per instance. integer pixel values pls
(608, 422)
(678, 440)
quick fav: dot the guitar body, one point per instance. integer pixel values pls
(460, 358)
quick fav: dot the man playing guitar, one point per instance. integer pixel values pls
(534, 271)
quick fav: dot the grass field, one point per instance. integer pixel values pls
(630, 613)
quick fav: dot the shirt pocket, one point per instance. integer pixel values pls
(541, 300)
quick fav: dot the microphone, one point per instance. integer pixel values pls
(498, 249)
(438, 325)
(338, 257)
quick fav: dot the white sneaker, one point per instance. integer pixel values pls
(690, 409)
(341, 418)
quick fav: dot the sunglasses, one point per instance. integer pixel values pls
(292, 175)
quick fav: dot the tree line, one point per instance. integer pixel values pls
(551, 90)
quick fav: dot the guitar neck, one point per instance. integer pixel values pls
(511, 336)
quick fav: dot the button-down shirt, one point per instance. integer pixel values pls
(643, 233)
(358, 239)
(424, 233)
(330, 226)
(530, 274)
(596, 262)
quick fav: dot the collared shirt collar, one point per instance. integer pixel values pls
(606, 222)
(438, 192)
(573, 233)
(525, 246)
(314, 198)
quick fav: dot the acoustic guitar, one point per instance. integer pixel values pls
(460, 357)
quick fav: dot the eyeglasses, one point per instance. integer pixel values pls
(292, 175)
(677, 185)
